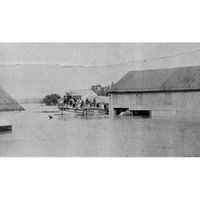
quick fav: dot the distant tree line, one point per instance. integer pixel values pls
(100, 90)
(51, 100)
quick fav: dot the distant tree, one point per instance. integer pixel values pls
(100, 90)
(51, 100)
(96, 88)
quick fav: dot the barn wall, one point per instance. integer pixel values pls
(166, 103)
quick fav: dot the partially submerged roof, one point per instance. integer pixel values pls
(7, 103)
(102, 99)
(81, 92)
(171, 79)
(84, 94)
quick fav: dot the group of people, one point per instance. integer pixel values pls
(77, 102)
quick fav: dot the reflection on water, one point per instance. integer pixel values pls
(35, 134)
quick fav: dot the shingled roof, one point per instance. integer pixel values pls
(7, 103)
(171, 79)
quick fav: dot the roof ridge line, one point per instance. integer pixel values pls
(165, 68)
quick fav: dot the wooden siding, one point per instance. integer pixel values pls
(174, 101)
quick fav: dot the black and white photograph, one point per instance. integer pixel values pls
(100, 99)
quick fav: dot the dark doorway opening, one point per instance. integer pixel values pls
(141, 113)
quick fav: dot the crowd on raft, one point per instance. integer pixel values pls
(78, 103)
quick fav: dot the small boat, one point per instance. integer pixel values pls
(5, 126)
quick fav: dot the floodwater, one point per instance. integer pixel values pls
(34, 134)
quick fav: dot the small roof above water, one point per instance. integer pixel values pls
(85, 93)
(7, 103)
(102, 99)
(80, 92)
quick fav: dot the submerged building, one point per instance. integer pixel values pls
(159, 92)
(102, 102)
(7, 103)
(83, 94)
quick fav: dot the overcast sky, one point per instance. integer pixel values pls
(28, 80)
(85, 53)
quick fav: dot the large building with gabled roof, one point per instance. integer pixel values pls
(158, 92)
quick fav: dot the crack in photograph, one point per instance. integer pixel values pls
(99, 99)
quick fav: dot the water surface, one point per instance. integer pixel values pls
(34, 134)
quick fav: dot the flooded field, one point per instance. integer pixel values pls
(34, 134)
